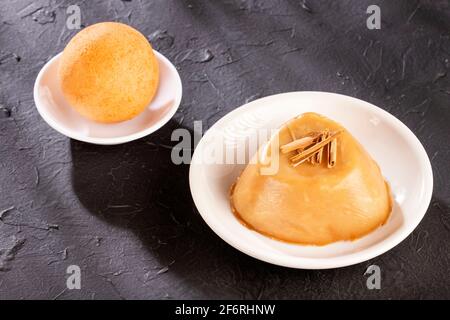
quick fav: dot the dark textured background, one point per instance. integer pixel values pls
(124, 213)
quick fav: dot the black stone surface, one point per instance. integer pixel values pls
(124, 213)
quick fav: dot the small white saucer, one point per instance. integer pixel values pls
(63, 118)
(397, 150)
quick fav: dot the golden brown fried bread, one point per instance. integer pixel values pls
(108, 72)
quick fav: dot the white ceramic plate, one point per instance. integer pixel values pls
(60, 115)
(399, 153)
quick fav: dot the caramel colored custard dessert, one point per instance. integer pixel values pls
(327, 187)
(108, 72)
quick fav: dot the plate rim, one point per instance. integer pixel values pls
(333, 262)
(113, 140)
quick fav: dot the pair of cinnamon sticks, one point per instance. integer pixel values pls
(313, 148)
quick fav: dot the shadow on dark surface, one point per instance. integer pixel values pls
(135, 186)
